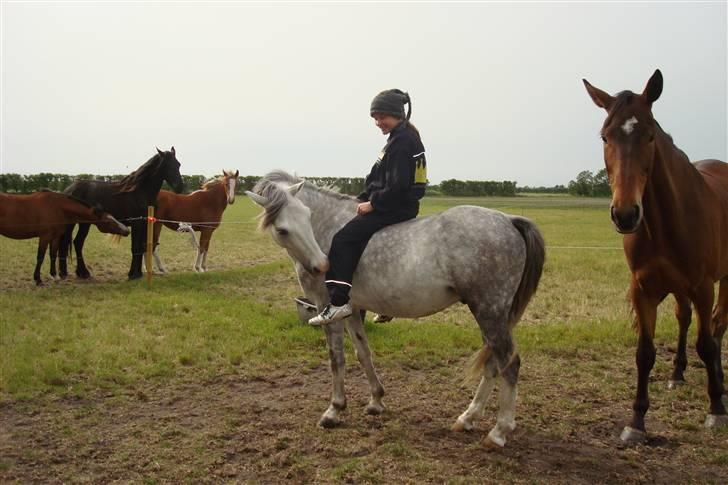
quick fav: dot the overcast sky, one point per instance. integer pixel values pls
(496, 87)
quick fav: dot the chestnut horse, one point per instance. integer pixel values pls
(45, 215)
(674, 217)
(202, 208)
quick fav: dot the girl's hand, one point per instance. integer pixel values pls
(364, 208)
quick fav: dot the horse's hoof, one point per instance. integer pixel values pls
(374, 409)
(633, 435)
(716, 420)
(675, 383)
(461, 426)
(493, 442)
(135, 276)
(328, 422)
(38, 283)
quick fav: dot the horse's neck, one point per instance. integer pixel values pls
(669, 197)
(75, 210)
(328, 214)
(151, 186)
(218, 193)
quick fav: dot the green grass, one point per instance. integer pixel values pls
(71, 337)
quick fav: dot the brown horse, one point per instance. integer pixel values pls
(674, 217)
(202, 209)
(45, 215)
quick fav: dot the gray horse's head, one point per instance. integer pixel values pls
(289, 220)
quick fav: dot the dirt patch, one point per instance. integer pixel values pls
(262, 428)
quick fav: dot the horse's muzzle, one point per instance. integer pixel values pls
(626, 220)
(321, 268)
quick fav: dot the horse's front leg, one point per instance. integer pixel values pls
(138, 237)
(709, 352)
(335, 341)
(361, 348)
(155, 245)
(682, 313)
(645, 308)
(720, 324)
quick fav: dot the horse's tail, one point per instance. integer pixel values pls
(476, 364)
(535, 256)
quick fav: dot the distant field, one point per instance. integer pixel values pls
(210, 377)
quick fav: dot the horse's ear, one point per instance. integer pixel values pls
(172, 150)
(237, 173)
(600, 98)
(159, 152)
(293, 189)
(654, 87)
(258, 199)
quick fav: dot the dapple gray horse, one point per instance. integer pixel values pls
(484, 258)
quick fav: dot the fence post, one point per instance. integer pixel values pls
(150, 243)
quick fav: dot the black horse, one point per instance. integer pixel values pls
(127, 200)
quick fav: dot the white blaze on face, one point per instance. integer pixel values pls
(628, 126)
(231, 189)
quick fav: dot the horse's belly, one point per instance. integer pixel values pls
(412, 301)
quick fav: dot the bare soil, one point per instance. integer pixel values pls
(261, 428)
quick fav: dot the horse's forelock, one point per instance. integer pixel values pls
(276, 195)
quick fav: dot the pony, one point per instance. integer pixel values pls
(127, 200)
(202, 208)
(486, 259)
(674, 217)
(44, 215)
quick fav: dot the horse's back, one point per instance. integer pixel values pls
(463, 253)
(24, 216)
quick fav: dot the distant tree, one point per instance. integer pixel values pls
(583, 185)
(601, 184)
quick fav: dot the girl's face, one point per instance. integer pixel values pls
(386, 123)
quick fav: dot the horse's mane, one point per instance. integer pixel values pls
(131, 182)
(268, 187)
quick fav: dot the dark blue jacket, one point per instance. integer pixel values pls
(399, 176)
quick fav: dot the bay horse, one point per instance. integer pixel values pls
(486, 259)
(127, 200)
(674, 217)
(202, 208)
(44, 215)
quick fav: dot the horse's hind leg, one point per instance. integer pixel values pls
(81, 269)
(475, 409)
(361, 348)
(54, 253)
(155, 253)
(500, 360)
(335, 341)
(42, 246)
(683, 314)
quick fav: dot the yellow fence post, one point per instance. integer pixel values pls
(150, 241)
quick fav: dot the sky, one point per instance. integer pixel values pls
(496, 88)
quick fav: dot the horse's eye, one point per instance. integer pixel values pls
(282, 232)
(604, 138)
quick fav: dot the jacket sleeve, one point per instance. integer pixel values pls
(364, 196)
(399, 180)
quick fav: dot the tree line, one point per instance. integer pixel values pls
(586, 184)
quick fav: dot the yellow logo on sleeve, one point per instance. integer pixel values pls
(421, 171)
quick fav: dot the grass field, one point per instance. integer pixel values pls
(210, 377)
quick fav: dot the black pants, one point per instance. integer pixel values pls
(349, 244)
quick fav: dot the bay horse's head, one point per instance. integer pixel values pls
(628, 134)
(169, 168)
(230, 182)
(289, 222)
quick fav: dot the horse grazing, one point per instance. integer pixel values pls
(484, 258)
(202, 208)
(127, 200)
(674, 217)
(45, 215)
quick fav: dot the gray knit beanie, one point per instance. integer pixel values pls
(391, 102)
